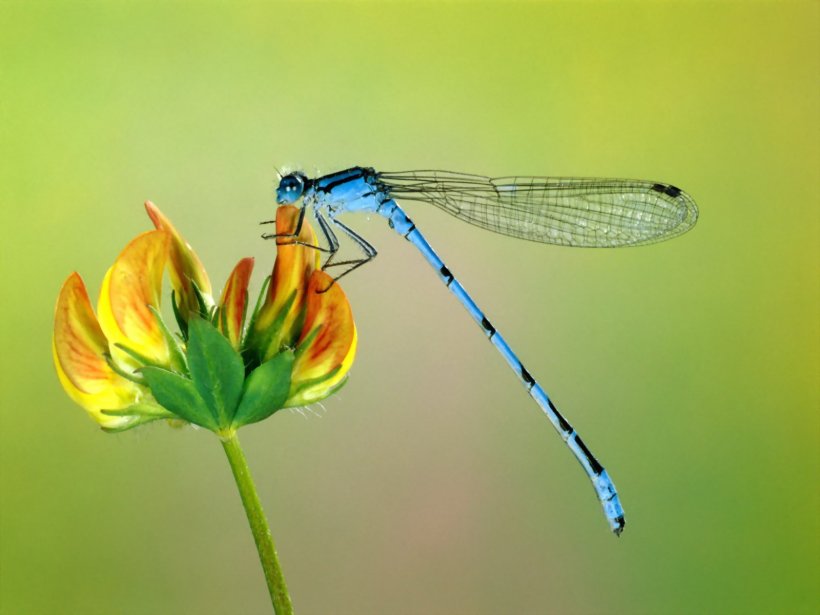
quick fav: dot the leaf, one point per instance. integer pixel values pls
(216, 369)
(266, 389)
(180, 396)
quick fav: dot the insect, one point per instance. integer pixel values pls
(585, 212)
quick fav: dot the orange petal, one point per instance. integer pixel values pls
(185, 264)
(234, 301)
(131, 286)
(332, 348)
(291, 271)
(79, 348)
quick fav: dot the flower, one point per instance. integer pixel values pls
(126, 368)
(80, 348)
(304, 310)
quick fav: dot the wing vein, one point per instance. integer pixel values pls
(589, 212)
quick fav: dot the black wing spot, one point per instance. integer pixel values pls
(669, 190)
(673, 191)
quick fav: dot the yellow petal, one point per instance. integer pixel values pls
(234, 301)
(330, 337)
(291, 271)
(78, 348)
(185, 264)
(132, 285)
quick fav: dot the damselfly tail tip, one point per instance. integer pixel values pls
(618, 525)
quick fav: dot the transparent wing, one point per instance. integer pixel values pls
(570, 211)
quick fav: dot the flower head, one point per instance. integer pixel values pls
(125, 367)
(304, 311)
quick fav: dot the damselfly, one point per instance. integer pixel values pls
(583, 212)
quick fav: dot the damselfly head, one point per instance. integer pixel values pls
(291, 187)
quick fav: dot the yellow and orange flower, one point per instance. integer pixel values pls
(125, 367)
(304, 310)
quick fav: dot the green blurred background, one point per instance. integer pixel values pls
(431, 483)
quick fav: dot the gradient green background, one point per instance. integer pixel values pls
(431, 484)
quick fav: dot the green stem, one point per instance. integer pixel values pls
(259, 526)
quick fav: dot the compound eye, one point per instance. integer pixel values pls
(290, 189)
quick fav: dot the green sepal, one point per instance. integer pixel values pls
(266, 389)
(139, 358)
(331, 391)
(260, 300)
(141, 409)
(336, 387)
(175, 355)
(132, 376)
(181, 322)
(219, 318)
(250, 352)
(263, 342)
(202, 309)
(204, 312)
(257, 344)
(140, 414)
(296, 394)
(305, 343)
(136, 421)
(180, 396)
(217, 370)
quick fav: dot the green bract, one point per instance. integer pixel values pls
(217, 395)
